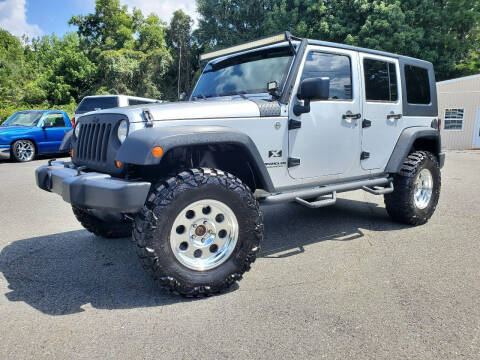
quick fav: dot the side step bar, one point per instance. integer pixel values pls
(316, 192)
(318, 203)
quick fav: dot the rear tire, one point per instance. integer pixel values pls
(417, 189)
(99, 227)
(169, 232)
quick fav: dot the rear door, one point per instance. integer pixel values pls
(328, 142)
(382, 109)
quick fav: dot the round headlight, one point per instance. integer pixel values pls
(77, 130)
(122, 131)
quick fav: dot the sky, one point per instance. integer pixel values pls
(43, 17)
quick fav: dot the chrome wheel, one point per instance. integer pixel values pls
(204, 234)
(24, 150)
(423, 189)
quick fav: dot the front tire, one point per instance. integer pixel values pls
(102, 228)
(198, 232)
(417, 189)
(23, 150)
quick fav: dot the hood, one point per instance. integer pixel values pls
(202, 109)
(13, 129)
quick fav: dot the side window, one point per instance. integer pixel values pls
(380, 80)
(56, 120)
(336, 67)
(418, 85)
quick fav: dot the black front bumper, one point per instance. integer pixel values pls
(92, 190)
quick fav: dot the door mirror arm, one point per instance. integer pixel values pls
(299, 109)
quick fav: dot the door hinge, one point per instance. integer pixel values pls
(293, 162)
(366, 123)
(365, 155)
(294, 124)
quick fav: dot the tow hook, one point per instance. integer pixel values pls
(80, 169)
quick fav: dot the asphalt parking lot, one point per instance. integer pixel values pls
(334, 283)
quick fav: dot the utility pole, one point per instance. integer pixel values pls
(179, 62)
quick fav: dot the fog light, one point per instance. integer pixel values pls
(157, 151)
(118, 164)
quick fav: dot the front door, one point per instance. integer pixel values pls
(53, 134)
(327, 142)
(476, 134)
(382, 109)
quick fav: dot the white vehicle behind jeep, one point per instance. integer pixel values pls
(100, 102)
(280, 119)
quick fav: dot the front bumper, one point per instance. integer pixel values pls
(4, 152)
(92, 190)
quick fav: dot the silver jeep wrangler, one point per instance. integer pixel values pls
(275, 120)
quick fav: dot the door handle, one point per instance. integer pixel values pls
(349, 116)
(394, 116)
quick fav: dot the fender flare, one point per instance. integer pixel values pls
(137, 147)
(405, 143)
(66, 142)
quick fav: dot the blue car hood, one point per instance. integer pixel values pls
(13, 129)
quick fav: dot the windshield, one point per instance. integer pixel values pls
(24, 118)
(244, 74)
(97, 103)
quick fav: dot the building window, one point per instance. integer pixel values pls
(380, 80)
(453, 119)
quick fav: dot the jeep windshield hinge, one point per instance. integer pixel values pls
(365, 155)
(293, 162)
(294, 124)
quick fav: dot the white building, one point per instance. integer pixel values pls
(459, 109)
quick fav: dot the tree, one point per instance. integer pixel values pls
(179, 37)
(440, 31)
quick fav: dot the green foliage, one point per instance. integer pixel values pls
(440, 31)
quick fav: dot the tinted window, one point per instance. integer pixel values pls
(380, 80)
(56, 120)
(418, 85)
(335, 67)
(97, 103)
(138, 102)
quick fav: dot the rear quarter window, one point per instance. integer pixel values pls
(100, 103)
(418, 85)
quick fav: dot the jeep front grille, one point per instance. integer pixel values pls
(93, 142)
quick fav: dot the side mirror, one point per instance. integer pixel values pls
(314, 89)
(47, 125)
(311, 89)
(183, 96)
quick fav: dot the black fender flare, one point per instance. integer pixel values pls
(405, 143)
(137, 147)
(66, 142)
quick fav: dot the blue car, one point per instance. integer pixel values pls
(26, 134)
